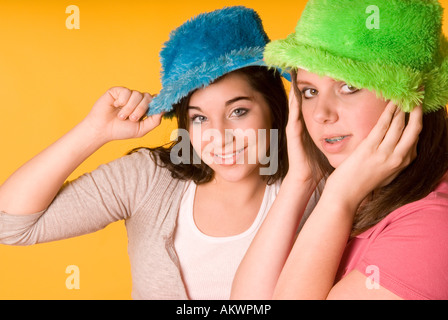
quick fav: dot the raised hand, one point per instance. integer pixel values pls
(120, 114)
(389, 148)
(299, 167)
(310, 269)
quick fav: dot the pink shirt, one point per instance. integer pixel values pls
(406, 252)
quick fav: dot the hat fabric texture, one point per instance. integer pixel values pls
(402, 58)
(205, 48)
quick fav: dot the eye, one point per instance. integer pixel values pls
(197, 119)
(309, 93)
(348, 89)
(239, 112)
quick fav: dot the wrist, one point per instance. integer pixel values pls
(348, 199)
(94, 135)
(295, 179)
(298, 187)
(88, 138)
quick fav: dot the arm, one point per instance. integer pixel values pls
(310, 270)
(312, 264)
(353, 287)
(112, 192)
(116, 115)
(258, 272)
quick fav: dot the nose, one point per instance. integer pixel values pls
(325, 110)
(226, 135)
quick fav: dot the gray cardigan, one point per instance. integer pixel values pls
(132, 188)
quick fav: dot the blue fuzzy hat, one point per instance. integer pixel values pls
(206, 48)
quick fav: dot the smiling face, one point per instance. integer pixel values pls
(338, 117)
(225, 121)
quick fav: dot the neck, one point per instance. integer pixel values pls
(237, 191)
(225, 208)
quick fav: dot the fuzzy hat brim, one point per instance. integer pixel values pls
(400, 84)
(203, 76)
(404, 60)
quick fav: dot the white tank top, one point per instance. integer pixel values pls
(208, 264)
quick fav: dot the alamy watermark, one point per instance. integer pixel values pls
(229, 149)
(373, 21)
(373, 280)
(73, 280)
(72, 21)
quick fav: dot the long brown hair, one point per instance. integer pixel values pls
(263, 80)
(414, 183)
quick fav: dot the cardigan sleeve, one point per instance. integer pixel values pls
(87, 204)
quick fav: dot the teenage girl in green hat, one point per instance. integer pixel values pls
(352, 63)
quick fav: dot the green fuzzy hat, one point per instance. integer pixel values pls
(393, 47)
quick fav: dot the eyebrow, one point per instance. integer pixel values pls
(303, 82)
(231, 101)
(228, 103)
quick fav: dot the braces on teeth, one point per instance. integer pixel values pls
(337, 139)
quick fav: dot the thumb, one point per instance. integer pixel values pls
(149, 123)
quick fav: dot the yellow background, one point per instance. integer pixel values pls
(49, 79)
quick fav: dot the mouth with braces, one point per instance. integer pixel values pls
(335, 139)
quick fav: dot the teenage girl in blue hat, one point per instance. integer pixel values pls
(189, 222)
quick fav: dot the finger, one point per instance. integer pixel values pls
(394, 132)
(141, 108)
(149, 107)
(402, 156)
(379, 131)
(293, 127)
(150, 123)
(409, 138)
(294, 110)
(133, 101)
(120, 95)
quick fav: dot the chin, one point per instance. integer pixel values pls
(236, 173)
(336, 160)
